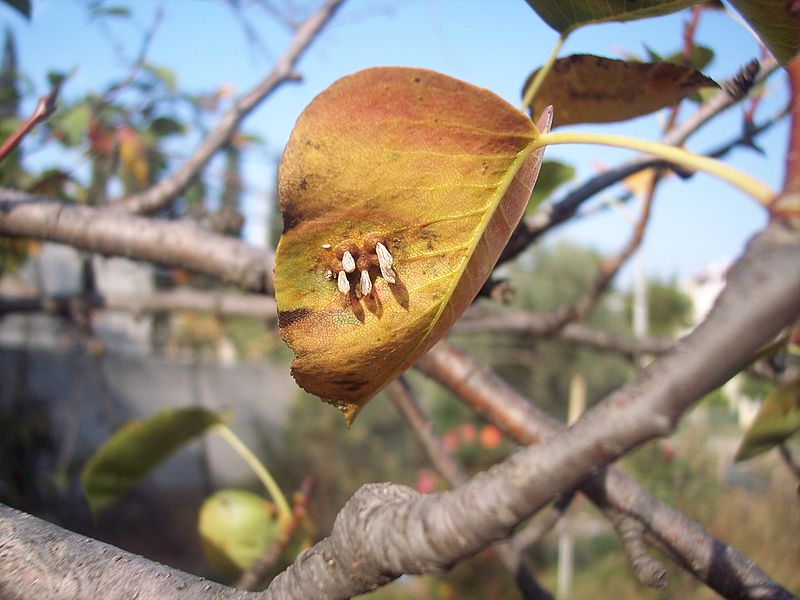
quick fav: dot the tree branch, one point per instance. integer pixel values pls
(222, 304)
(525, 323)
(162, 193)
(113, 232)
(386, 530)
(710, 560)
(631, 531)
(45, 107)
(41, 560)
(509, 552)
(609, 267)
(721, 567)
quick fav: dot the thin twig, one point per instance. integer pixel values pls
(529, 324)
(113, 232)
(609, 267)
(217, 303)
(45, 107)
(259, 569)
(648, 570)
(509, 552)
(386, 530)
(170, 187)
(406, 404)
(791, 182)
(137, 65)
(543, 524)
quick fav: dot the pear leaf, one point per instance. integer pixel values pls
(398, 188)
(567, 15)
(777, 419)
(592, 89)
(775, 24)
(136, 449)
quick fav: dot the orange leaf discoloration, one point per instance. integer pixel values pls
(436, 170)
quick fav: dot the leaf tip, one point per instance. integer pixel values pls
(349, 410)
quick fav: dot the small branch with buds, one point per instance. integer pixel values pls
(45, 107)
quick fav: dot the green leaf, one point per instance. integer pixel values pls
(567, 15)
(700, 59)
(99, 10)
(236, 527)
(136, 449)
(72, 124)
(21, 6)
(55, 78)
(164, 74)
(775, 25)
(777, 419)
(552, 175)
(165, 126)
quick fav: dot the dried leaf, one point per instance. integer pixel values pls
(593, 89)
(437, 170)
(566, 15)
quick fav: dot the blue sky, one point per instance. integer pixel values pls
(490, 43)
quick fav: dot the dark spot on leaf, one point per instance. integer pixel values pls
(290, 219)
(400, 293)
(349, 383)
(287, 317)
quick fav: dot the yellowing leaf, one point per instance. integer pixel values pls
(437, 170)
(639, 183)
(592, 89)
(133, 158)
(566, 15)
(777, 419)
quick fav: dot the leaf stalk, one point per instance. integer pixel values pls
(284, 512)
(749, 185)
(533, 88)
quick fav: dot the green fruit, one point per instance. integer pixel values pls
(236, 528)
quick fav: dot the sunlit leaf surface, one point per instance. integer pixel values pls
(566, 15)
(136, 449)
(435, 169)
(592, 89)
(777, 419)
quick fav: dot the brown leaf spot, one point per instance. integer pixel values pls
(288, 317)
